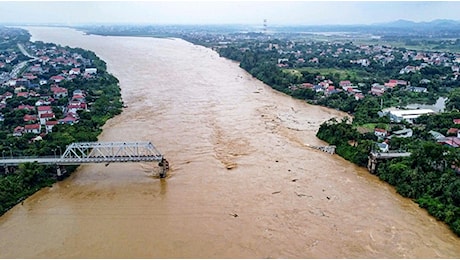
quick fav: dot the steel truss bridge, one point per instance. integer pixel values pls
(97, 152)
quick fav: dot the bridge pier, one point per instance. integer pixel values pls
(7, 169)
(165, 167)
(372, 164)
(60, 171)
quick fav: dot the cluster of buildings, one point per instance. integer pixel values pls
(39, 91)
(328, 87)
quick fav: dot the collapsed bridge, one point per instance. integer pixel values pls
(97, 152)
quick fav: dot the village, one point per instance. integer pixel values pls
(32, 83)
(397, 83)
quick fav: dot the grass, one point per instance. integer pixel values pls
(343, 73)
(366, 128)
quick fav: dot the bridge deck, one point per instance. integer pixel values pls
(389, 155)
(95, 152)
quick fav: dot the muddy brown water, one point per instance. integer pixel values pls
(280, 199)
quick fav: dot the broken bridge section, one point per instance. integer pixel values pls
(109, 152)
(98, 152)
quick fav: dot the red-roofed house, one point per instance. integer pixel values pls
(74, 71)
(450, 141)
(359, 96)
(380, 132)
(452, 131)
(306, 85)
(29, 76)
(23, 94)
(26, 107)
(30, 118)
(45, 117)
(71, 118)
(59, 92)
(34, 128)
(345, 83)
(18, 131)
(377, 90)
(49, 125)
(456, 121)
(44, 110)
(57, 78)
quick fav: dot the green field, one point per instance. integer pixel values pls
(342, 73)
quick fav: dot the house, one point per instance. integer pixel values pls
(57, 78)
(457, 121)
(417, 89)
(74, 71)
(344, 83)
(44, 110)
(91, 71)
(331, 90)
(19, 89)
(377, 90)
(306, 85)
(58, 92)
(359, 96)
(23, 94)
(34, 128)
(30, 118)
(383, 147)
(49, 125)
(26, 107)
(450, 141)
(70, 119)
(45, 117)
(452, 131)
(7, 95)
(381, 133)
(18, 131)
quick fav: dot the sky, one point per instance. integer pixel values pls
(224, 12)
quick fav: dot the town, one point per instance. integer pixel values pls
(30, 86)
(50, 97)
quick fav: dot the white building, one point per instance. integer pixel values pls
(408, 115)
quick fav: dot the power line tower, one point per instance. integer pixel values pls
(265, 26)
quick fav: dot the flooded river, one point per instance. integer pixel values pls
(243, 181)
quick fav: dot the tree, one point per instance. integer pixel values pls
(453, 101)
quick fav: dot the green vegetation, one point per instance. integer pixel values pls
(103, 95)
(429, 176)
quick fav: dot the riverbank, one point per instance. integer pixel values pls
(100, 89)
(281, 200)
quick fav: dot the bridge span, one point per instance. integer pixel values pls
(375, 157)
(97, 152)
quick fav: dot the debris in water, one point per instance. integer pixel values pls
(234, 215)
(276, 192)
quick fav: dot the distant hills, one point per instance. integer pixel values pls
(410, 24)
(440, 28)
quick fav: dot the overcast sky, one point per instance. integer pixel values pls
(224, 12)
